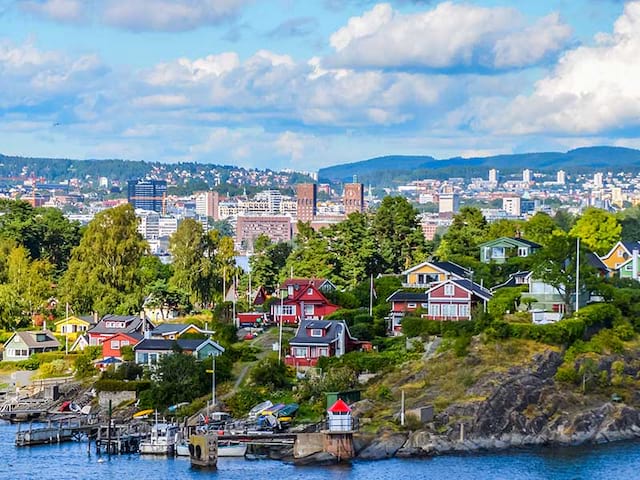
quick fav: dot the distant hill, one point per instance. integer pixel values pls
(394, 169)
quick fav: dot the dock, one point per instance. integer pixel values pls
(120, 439)
(53, 432)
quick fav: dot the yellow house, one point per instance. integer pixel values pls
(423, 275)
(72, 326)
(619, 254)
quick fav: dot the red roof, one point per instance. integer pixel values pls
(339, 407)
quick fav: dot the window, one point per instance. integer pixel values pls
(497, 252)
(299, 352)
(523, 251)
(449, 310)
(620, 253)
(424, 305)
(317, 332)
(463, 311)
(449, 290)
(124, 343)
(322, 351)
(421, 279)
(308, 310)
(115, 345)
(285, 310)
(411, 305)
(434, 310)
(309, 291)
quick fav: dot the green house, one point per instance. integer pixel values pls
(500, 249)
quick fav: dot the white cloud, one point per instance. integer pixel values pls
(137, 15)
(592, 89)
(449, 36)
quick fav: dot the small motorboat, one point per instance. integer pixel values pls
(182, 448)
(228, 448)
(163, 439)
(143, 414)
(258, 409)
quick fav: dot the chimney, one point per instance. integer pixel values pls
(634, 264)
(95, 317)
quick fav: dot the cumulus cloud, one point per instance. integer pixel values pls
(449, 36)
(592, 89)
(138, 15)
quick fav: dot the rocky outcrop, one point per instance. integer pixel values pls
(524, 407)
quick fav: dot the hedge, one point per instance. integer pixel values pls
(110, 385)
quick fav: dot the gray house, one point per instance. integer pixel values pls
(21, 345)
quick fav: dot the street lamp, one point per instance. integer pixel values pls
(213, 381)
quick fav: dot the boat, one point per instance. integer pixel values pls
(182, 448)
(143, 414)
(229, 448)
(163, 440)
(258, 409)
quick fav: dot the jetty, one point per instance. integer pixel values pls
(54, 432)
(120, 439)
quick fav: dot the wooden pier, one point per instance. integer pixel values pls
(120, 439)
(53, 432)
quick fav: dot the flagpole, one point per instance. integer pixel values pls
(371, 296)
(577, 273)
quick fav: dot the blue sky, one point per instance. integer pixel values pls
(309, 83)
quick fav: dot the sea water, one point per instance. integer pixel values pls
(70, 461)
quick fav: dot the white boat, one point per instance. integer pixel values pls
(231, 449)
(258, 409)
(163, 440)
(182, 448)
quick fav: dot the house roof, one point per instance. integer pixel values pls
(595, 262)
(444, 267)
(303, 282)
(132, 323)
(516, 242)
(81, 339)
(630, 246)
(402, 296)
(73, 317)
(511, 281)
(333, 329)
(164, 345)
(30, 339)
(467, 285)
(132, 335)
(302, 292)
(165, 328)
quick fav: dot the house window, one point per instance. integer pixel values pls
(421, 279)
(309, 291)
(285, 310)
(299, 352)
(449, 290)
(463, 311)
(497, 252)
(434, 310)
(523, 251)
(322, 351)
(115, 345)
(449, 310)
(620, 253)
(308, 310)
(424, 305)
(316, 332)
(124, 343)
(411, 305)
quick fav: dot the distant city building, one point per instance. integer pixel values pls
(103, 182)
(307, 198)
(147, 194)
(449, 203)
(248, 228)
(617, 198)
(207, 204)
(272, 198)
(512, 205)
(526, 175)
(561, 177)
(598, 180)
(493, 176)
(353, 198)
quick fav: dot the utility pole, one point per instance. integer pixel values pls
(577, 274)
(213, 382)
(371, 297)
(280, 333)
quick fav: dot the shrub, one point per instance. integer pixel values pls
(384, 393)
(84, 367)
(109, 385)
(567, 374)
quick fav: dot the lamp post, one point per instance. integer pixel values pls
(213, 381)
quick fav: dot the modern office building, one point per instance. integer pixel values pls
(147, 194)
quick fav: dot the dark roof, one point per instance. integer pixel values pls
(529, 242)
(474, 288)
(511, 281)
(595, 262)
(303, 282)
(132, 323)
(630, 246)
(169, 328)
(332, 328)
(402, 296)
(189, 344)
(135, 335)
(512, 240)
(30, 339)
(452, 268)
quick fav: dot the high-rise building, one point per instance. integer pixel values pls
(512, 205)
(353, 198)
(493, 176)
(448, 203)
(526, 175)
(207, 204)
(561, 177)
(598, 180)
(307, 196)
(147, 194)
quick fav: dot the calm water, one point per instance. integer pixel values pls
(70, 461)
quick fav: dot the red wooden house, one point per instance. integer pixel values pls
(456, 299)
(111, 346)
(306, 302)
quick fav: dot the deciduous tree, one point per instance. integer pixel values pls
(599, 230)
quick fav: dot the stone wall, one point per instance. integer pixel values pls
(116, 398)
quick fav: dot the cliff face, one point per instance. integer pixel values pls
(522, 406)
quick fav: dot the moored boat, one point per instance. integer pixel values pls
(163, 440)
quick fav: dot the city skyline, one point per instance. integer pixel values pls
(302, 85)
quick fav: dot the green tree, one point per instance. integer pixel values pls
(599, 230)
(630, 221)
(103, 273)
(310, 257)
(398, 234)
(267, 261)
(540, 228)
(504, 228)
(180, 378)
(468, 230)
(564, 220)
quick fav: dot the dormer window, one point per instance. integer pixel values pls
(309, 291)
(317, 332)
